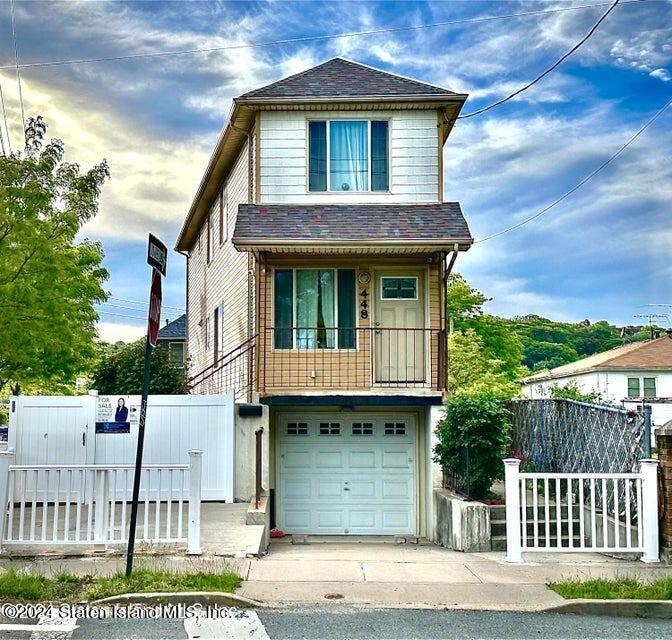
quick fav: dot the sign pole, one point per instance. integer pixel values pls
(157, 255)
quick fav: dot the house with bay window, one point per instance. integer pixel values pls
(318, 246)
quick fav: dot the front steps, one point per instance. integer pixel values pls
(498, 526)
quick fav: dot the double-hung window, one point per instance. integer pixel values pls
(644, 387)
(348, 155)
(314, 308)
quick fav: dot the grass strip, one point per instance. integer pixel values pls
(24, 586)
(618, 589)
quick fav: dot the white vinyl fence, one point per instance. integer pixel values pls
(85, 504)
(581, 512)
(61, 430)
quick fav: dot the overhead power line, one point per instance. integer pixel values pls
(18, 70)
(545, 73)
(589, 177)
(145, 304)
(303, 39)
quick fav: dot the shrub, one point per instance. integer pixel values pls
(572, 391)
(479, 424)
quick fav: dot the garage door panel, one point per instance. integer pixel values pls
(357, 479)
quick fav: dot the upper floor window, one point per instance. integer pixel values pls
(641, 387)
(348, 155)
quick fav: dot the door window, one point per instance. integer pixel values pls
(399, 288)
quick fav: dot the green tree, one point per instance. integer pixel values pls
(498, 340)
(475, 429)
(48, 282)
(120, 371)
(471, 369)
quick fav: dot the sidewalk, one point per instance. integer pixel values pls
(387, 574)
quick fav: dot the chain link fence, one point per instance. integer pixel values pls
(565, 436)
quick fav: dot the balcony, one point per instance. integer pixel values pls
(357, 359)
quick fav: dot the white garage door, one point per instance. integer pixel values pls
(346, 474)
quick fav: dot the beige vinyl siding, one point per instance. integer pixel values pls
(414, 152)
(224, 281)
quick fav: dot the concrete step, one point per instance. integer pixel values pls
(498, 527)
(498, 543)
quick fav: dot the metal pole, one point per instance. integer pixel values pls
(647, 430)
(138, 458)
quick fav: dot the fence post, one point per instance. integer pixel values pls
(649, 507)
(6, 459)
(101, 513)
(194, 535)
(512, 494)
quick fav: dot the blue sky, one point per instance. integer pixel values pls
(603, 253)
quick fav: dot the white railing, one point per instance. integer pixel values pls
(581, 512)
(91, 504)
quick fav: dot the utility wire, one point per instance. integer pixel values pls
(145, 304)
(586, 179)
(545, 73)
(119, 315)
(302, 39)
(18, 71)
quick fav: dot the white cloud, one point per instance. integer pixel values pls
(661, 74)
(118, 331)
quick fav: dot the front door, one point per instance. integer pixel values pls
(399, 324)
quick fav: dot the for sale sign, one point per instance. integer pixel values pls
(154, 308)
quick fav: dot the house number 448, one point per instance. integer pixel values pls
(364, 304)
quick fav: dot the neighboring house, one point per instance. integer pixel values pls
(173, 336)
(318, 247)
(628, 374)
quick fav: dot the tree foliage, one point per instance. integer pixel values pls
(473, 439)
(120, 370)
(572, 391)
(48, 282)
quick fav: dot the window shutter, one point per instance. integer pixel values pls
(379, 156)
(317, 144)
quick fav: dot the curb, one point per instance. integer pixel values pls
(187, 597)
(661, 609)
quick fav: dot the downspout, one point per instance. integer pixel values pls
(447, 272)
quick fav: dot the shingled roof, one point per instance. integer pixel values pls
(652, 355)
(440, 224)
(175, 330)
(341, 78)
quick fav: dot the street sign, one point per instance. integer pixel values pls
(154, 320)
(157, 254)
(157, 257)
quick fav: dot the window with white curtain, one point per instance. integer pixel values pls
(348, 155)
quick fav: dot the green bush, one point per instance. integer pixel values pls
(478, 424)
(572, 391)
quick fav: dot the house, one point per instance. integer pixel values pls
(173, 336)
(318, 247)
(628, 374)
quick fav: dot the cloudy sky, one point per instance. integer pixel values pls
(605, 252)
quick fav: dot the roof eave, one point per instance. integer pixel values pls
(435, 244)
(440, 98)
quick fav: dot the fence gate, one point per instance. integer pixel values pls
(582, 512)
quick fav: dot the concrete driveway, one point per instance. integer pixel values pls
(383, 573)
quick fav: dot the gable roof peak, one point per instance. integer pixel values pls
(340, 77)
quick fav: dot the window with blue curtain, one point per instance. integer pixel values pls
(348, 155)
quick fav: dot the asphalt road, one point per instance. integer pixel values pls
(349, 622)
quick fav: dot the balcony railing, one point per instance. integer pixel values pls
(351, 358)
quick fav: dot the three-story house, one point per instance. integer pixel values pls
(318, 247)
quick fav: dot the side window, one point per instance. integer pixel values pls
(395, 428)
(649, 387)
(633, 388)
(206, 333)
(297, 429)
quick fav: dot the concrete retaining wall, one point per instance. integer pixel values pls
(460, 524)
